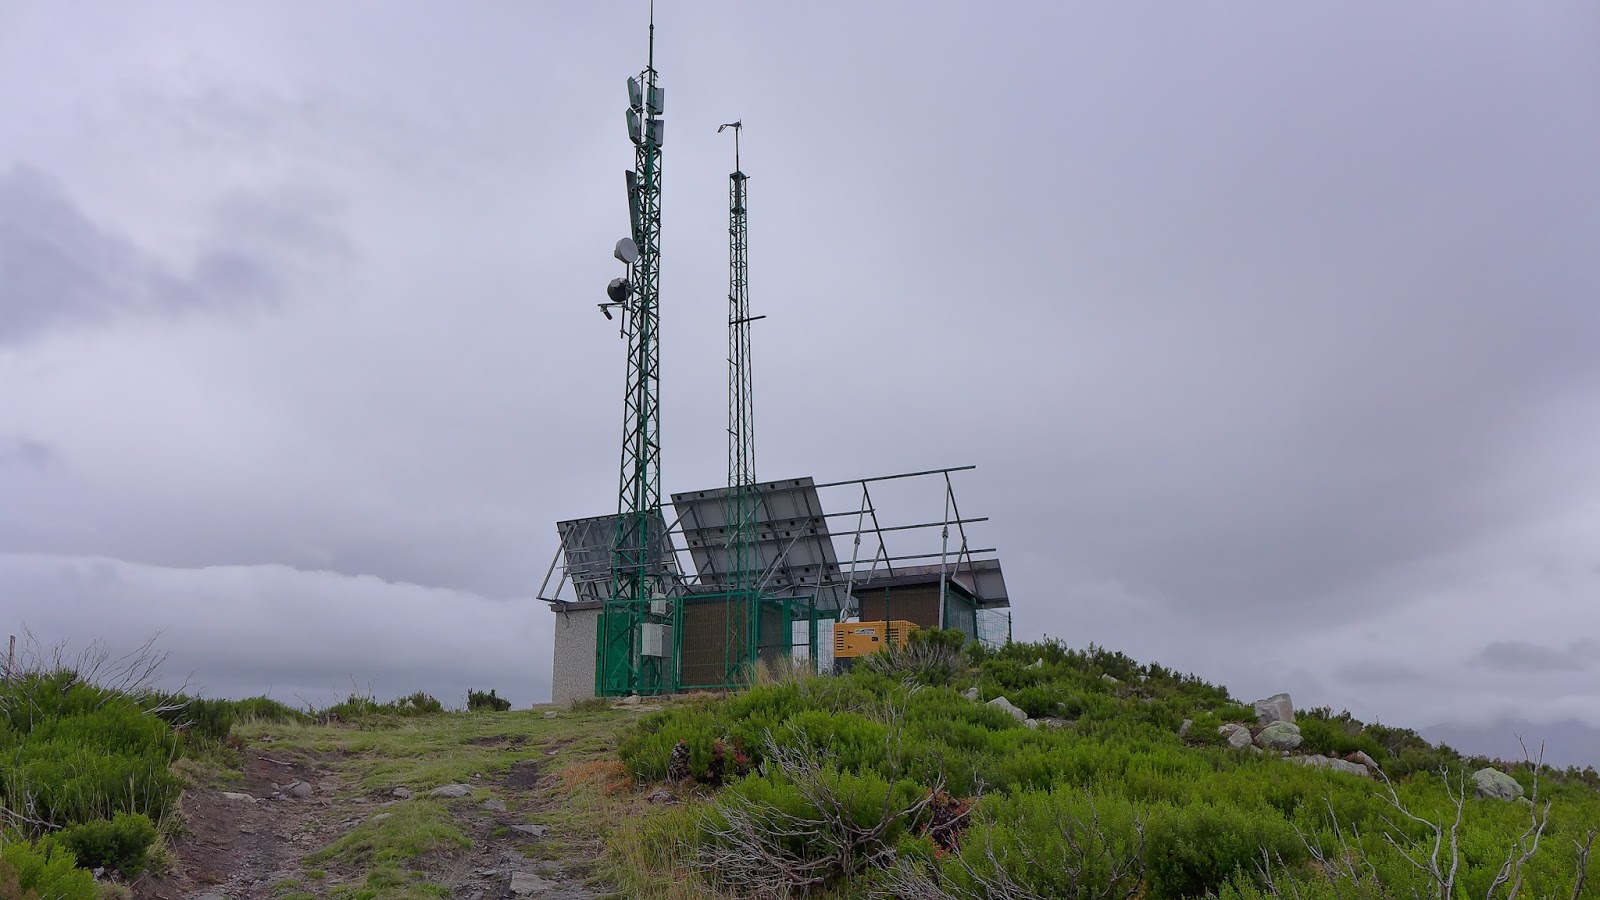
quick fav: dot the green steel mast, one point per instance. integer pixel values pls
(626, 661)
(741, 619)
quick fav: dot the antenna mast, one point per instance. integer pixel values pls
(624, 663)
(742, 500)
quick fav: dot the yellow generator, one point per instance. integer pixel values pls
(856, 639)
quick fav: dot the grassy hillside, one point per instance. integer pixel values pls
(889, 782)
(1095, 776)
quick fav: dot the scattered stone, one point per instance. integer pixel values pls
(1497, 784)
(300, 789)
(551, 714)
(247, 829)
(526, 883)
(1053, 722)
(630, 700)
(1108, 679)
(1525, 802)
(1279, 736)
(494, 805)
(1183, 730)
(1228, 729)
(1031, 723)
(1006, 706)
(661, 796)
(452, 791)
(488, 873)
(381, 817)
(1143, 678)
(401, 793)
(1037, 664)
(971, 693)
(1360, 756)
(1239, 738)
(1338, 765)
(234, 795)
(531, 830)
(99, 873)
(1277, 708)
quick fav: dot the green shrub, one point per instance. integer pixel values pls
(266, 709)
(1334, 739)
(91, 762)
(123, 843)
(823, 825)
(209, 719)
(47, 871)
(930, 656)
(1194, 850)
(358, 707)
(1061, 843)
(418, 704)
(32, 698)
(478, 700)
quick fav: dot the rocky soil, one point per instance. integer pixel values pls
(258, 836)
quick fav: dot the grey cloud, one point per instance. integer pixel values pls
(1378, 672)
(1561, 743)
(242, 630)
(1524, 656)
(30, 454)
(60, 268)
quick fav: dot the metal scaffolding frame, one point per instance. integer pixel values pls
(699, 573)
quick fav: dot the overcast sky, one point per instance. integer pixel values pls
(1273, 331)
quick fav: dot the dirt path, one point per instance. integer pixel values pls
(305, 821)
(241, 839)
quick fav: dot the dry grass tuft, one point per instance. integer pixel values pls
(609, 776)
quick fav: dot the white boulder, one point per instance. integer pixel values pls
(1005, 705)
(1277, 708)
(1279, 736)
(1497, 784)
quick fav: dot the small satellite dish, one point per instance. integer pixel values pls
(619, 290)
(627, 251)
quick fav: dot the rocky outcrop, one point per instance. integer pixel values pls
(1367, 762)
(1497, 784)
(1277, 708)
(1279, 736)
(1238, 736)
(1327, 762)
(1005, 705)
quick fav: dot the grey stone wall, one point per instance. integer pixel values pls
(572, 668)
